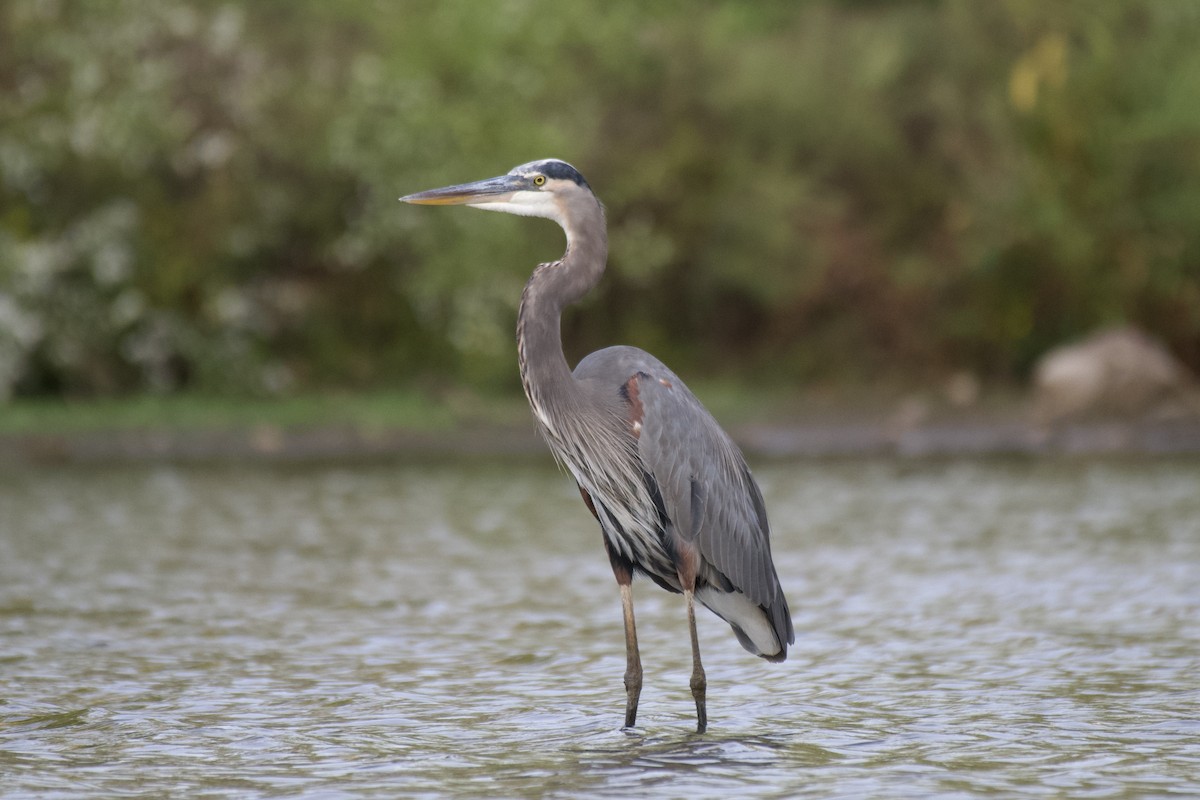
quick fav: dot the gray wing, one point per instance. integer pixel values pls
(706, 487)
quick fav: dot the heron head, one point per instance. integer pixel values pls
(537, 189)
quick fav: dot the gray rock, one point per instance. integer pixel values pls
(1116, 373)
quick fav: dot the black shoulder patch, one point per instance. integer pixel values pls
(664, 520)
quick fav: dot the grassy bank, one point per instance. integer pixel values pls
(411, 424)
(733, 403)
(412, 410)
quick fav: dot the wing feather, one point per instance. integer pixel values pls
(703, 482)
(706, 487)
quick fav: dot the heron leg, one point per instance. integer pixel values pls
(699, 682)
(623, 571)
(633, 661)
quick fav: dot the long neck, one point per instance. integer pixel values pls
(545, 373)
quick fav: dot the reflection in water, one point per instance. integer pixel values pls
(962, 629)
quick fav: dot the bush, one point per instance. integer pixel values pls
(203, 195)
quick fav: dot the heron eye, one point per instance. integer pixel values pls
(538, 180)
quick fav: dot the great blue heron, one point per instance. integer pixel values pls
(672, 493)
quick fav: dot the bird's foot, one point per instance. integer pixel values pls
(633, 691)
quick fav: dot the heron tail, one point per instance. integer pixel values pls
(766, 633)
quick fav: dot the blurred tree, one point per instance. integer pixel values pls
(203, 194)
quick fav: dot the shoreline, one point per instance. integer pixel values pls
(775, 441)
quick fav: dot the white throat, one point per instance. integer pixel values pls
(525, 204)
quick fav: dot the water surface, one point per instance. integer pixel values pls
(963, 629)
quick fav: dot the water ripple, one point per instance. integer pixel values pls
(963, 629)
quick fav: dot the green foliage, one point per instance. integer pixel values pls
(202, 195)
(362, 412)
